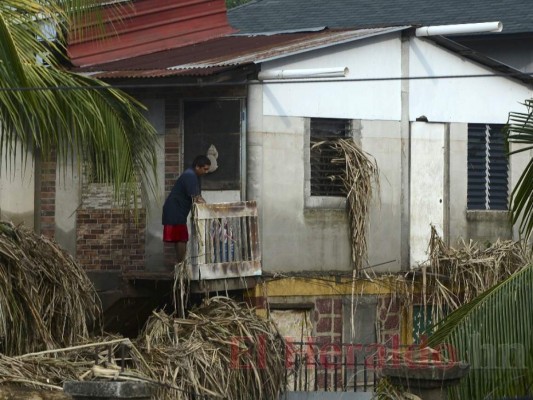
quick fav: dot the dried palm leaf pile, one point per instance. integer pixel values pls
(46, 299)
(47, 304)
(49, 369)
(223, 350)
(455, 276)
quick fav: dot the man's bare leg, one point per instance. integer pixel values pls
(181, 250)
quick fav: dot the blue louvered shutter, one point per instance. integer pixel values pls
(487, 168)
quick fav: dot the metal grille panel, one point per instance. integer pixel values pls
(326, 165)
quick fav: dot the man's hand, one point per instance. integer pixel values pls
(199, 199)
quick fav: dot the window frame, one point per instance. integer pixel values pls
(313, 201)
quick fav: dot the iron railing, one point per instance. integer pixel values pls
(333, 367)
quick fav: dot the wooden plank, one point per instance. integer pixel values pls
(230, 270)
(237, 239)
(254, 237)
(244, 225)
(222, 210)
(200, 225)
(209, 234)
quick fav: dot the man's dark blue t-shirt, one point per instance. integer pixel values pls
(179, 202)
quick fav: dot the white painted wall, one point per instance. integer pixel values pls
(17, 190)
(68, 199)
(427, 187)
(458, 181)
(381, 139)
(369, 58)
(294, 239)
(468, 100)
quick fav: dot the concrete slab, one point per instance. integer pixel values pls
(104, 390)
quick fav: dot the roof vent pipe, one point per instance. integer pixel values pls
(338, 72)
(459, 29)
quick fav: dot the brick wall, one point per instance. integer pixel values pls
(108, 237)
(173, 161)
(47, 198)
(390, 315)
(327, 316)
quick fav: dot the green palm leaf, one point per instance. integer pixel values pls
(493, 334)
(519, 130)
(47, 109)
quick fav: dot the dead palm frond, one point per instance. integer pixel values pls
(46, 299)
(455, 276)
(360, 174)
(222, 350)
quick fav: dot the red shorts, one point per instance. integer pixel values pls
(175, 233)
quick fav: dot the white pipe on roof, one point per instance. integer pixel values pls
(337, 72)
(482, 27)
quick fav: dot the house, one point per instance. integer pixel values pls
(512, 46)
(427, 112)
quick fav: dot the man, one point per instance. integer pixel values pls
(178, 204)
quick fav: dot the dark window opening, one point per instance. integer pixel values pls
(487, 168)
(327, 165)
(215, 123)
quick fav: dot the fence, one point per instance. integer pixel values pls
(225, 241)
(334, 367)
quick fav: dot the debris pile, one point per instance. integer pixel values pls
(222, 350)
(456, 276)
(48, 306)
(46, 299)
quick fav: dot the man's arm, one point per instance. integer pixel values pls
(192, 189)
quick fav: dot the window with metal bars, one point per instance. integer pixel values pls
(326, 167)
(487, 168)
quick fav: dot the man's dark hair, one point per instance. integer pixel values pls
(201, 161)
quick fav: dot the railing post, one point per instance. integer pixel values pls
(326, 373)
(317, 363)
(335, 373)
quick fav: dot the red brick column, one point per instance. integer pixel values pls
(47, 196)
(173, 162)
(328, 327)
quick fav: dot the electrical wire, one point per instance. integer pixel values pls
(107, 86)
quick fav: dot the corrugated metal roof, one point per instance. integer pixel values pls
(145, 27)
(229, 51)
